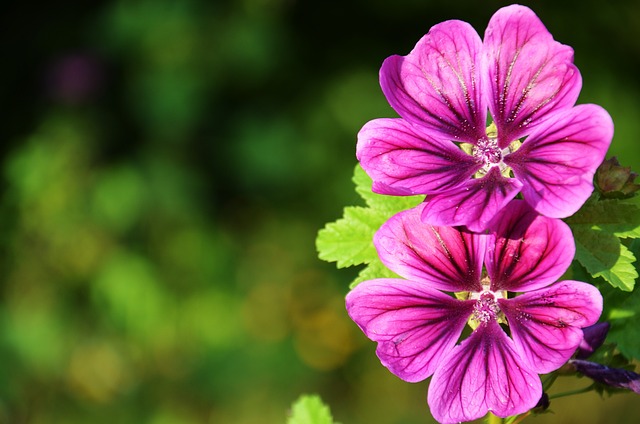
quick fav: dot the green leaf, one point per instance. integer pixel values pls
(621, 310)
(597, 228)
(309, 409)
(375, 269)
(618, 217)
(625, 324)
(603, 255)
(349, 240)
(380, 202)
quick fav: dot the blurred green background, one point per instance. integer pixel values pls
(165, 168)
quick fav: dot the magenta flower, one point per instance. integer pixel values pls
(538, 144)
(514, 338)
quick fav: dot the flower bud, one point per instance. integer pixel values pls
(619, 378)
(616, 181)
(593, 337)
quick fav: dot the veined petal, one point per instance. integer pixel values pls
(546, 324)
(444, 257)
(474, 203)
(437, 85)
(557, 162)
(527, 251)
(530, 74)
(401, 159)
(413, 324)
(484, 373)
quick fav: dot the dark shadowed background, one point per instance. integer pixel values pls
(165, 167)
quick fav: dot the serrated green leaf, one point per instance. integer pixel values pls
(625, 324)
(309, 409)
(603, 255)
(372, 271)
(618, 217)
(621, 310)
(349, 240)
(597, 228)
(380, 202)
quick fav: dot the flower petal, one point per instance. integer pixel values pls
(413, 324)
(483, 373)
(530, 74)
(546, 324)
(593, 337)
(444, 257)
(401, 158)
(437, 85)
(473, 204)
(527, 251)
(556, 163)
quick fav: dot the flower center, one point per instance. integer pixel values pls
(489, 154)
(486, 308)
(487, 151)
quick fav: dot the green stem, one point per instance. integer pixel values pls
(518, 418)
(548, 381)
(573, 392)
(493, 419)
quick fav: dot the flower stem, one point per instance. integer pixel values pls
(572, 392)
(517, 419)
(493, 419)
(548, 381)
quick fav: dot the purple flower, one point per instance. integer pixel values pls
(514, 338)
(620, 378)
(539, 143)
(593, 337)
(613, 377)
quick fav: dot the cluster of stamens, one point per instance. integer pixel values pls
(487, 151)
(486, 308)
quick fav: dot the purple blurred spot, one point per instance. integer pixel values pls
(74, 79)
